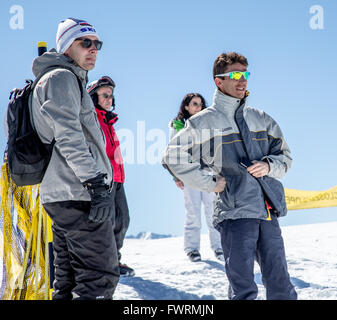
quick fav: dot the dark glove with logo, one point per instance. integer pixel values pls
(102, 202)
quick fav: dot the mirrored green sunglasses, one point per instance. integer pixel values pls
(236, 75)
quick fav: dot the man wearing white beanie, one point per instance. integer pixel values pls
(71, 29)
(76, 188)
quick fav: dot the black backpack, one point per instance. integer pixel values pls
(27, 156)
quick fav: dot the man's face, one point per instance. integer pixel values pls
(105, 97)
(232, 87)
(84, 57)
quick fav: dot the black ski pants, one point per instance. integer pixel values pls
(246, 240)
(122, 218)
(85, 253)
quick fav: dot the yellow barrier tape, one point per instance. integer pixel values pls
(300, 199)
(25, 230)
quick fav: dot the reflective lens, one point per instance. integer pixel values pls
(236, 75)
(196, 104)
(106, 96)
(87, 43)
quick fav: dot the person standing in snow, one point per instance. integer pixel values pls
(193, 198)
(76, 188)
(101, 92)
(246, 148)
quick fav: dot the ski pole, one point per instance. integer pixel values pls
(41, 47)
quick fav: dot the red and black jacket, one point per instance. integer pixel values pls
(107, 119)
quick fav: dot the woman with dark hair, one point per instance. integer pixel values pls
(191, 105)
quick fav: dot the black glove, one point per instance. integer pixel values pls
(102, 200)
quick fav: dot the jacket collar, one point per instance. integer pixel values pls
(225, 103)
(108, 115)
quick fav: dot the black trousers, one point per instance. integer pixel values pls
(85, 253)
(122, 218)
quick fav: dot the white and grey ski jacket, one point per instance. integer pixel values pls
(62, 112)
(221, 137)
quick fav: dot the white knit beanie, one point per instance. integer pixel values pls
(71, 29)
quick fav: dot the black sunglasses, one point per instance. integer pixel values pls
(106, 96)
(87, 43)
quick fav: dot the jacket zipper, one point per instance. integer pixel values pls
(109, 134)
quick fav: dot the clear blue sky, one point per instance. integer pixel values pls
(157, 51)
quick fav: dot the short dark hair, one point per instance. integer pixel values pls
(183, 114)
(225, 59)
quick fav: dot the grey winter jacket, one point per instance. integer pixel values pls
(60, 112)
(221, 137)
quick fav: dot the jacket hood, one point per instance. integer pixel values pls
(53, 58)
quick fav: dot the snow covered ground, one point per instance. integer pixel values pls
(163, 271)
